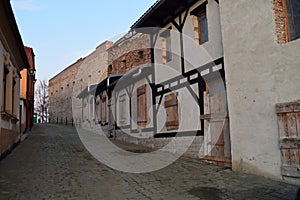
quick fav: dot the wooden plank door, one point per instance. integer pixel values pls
(216, 126)
(288, 115)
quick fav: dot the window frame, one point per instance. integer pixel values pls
(13, 96)
(5, 85)
(166, 40)
(289, 9)
(197, 13)
(201, 36)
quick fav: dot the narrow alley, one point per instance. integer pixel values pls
(53, 164)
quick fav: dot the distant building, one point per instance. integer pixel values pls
(60, 94)
(64, 107)
(13, 59)
(126, 55)
(92, 71)
(27, 92)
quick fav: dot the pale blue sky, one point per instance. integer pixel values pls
(62, 31)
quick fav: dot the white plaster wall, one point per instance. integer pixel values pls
(197, 55)
(260, 73)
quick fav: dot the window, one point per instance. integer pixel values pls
(5, 78)
(142, 111)
(141, 54)
(13, 95)
(171, 106)
(200, 24)
(287, 20)
(293, 19)
(109, 69)
(166, 46)
(103, 110)
(122, 109)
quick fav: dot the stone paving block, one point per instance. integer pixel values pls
(53, 164)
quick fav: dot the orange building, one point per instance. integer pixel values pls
(27, 93)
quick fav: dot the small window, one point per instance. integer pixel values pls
(293, 19)
(123, 66)
(142, 111)
(109, 69)
(287, 20)
(171, 106)
(166, 46)
(13, 96)
(200, 24)
(141, 54)
(5, 79)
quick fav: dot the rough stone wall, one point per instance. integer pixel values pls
(92, 71)
(60, 94)
(64, 105)
(127, 54)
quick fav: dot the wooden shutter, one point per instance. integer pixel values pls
(171, 106)
(142, 106)
(289, 129)
(293, 18)
(122, 109)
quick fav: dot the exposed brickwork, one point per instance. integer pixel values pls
(280, 21)
(127, 54)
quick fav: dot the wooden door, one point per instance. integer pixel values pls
(216, 125)
(289, 131)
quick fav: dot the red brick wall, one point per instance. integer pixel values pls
(280, 21)
(125, 55)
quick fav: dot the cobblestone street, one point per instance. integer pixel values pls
(53, 164)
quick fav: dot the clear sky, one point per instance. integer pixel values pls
(62, 31)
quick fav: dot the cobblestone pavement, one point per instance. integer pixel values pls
(53, 164)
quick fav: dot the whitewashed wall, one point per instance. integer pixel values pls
(260, 73)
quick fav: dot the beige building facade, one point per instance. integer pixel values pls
(12, 59)
(261, 48)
